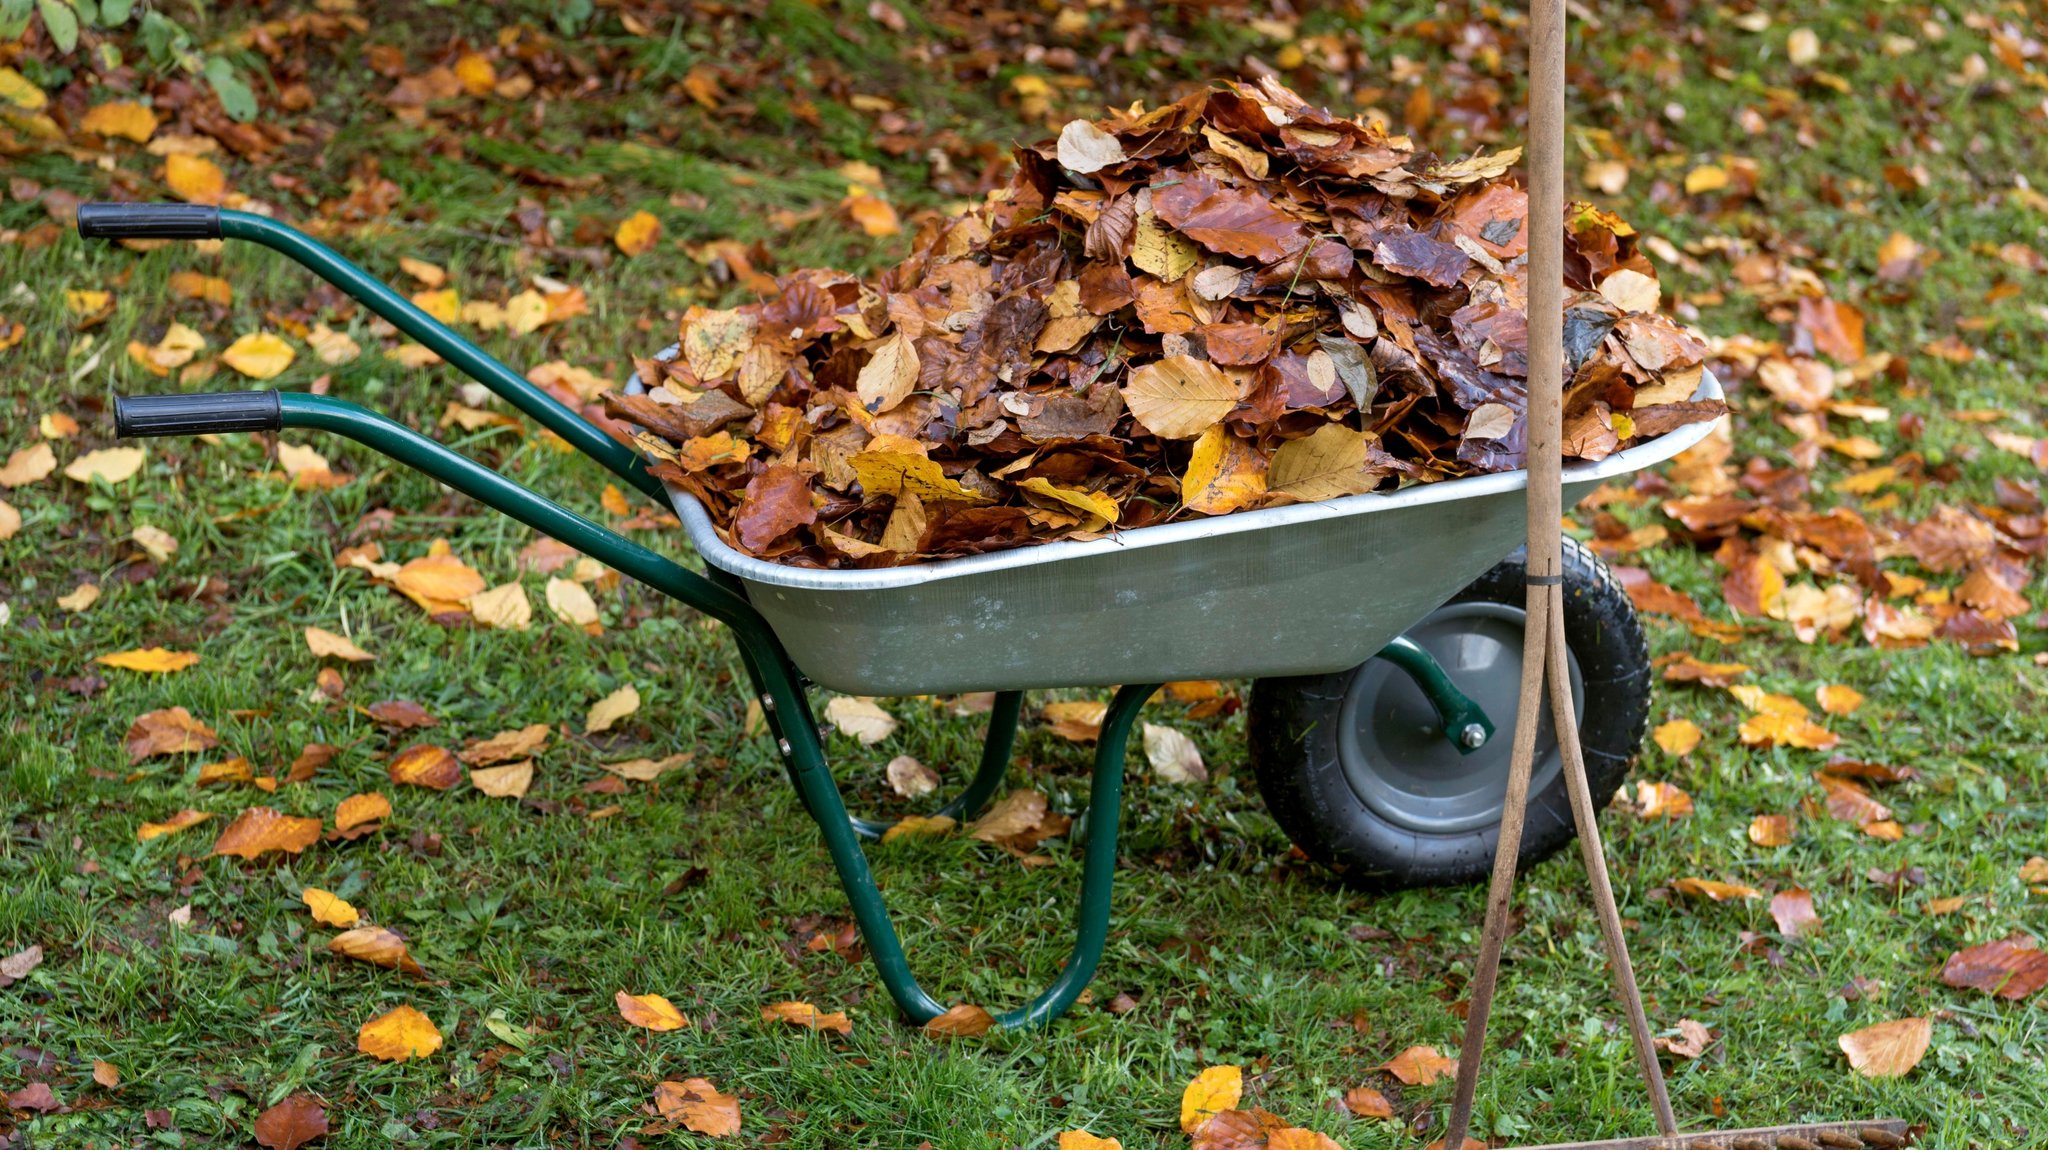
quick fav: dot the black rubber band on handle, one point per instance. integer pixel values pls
(149, 221)
(148, 416)
(1543, 580)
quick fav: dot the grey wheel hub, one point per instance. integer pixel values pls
(1390, 743)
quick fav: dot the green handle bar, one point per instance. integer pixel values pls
(200, 221)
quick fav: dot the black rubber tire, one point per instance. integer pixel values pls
(1292, 722)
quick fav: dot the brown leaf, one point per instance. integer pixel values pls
(1713, 890)
(1770, 830)
(2009, 968)
(16, 966)
(356, 810)
(376, 946)
(523, 743)
(777, 502)
(36, 1097)
(425, 765)
(177, 822)
(260, 830)
(1228, 220)
(698, 1105)
(400, 715)
(1365, 1102)
(1691, 1041)
(1889, 1049)
(1419, 1065)
(1793, 911)
(805, 1015)
(963, 1021)
(292, 1123)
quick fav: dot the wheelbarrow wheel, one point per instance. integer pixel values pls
(1355, 768)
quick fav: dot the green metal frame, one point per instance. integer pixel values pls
(778, 684)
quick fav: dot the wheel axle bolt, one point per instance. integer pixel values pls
(1473, 736)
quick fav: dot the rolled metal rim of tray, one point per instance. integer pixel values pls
(715, 551)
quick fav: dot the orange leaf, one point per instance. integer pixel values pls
(1082, 1140)
(327, 909)
(356, 810)
(1214, 1090)
(1678, 737)
(106, 1073)
(235, 770)
(1837, 699)
(1889, 1049)
(804, 1014)
(2009, 968)
(324, 643)
(425, 765)
(195, 179)
(1419, 1065)
(172, 731)
(260, 830)
(1793, 911)
(699, 1106)
(178, 822)
(438, 583)
(637, 233)
(399, 1035)
(506, 746)
(1662, 801)
(1365, 1102)
(874, 215)
(1770, 830)
(650, 1012)
(1716, 891)
(963, 1021)
(153, 660)
(376, 946)
(210, 289)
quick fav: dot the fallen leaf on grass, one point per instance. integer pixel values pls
(1365, 1102)
(36, 1097)
(291, 1123)
(1889, 1049)
(400, 715)
(647, 770)
(502, 608)
(963, 1021)
(1771, 830)
(510, 781)
(324, 643)
(171, 731)
(356, 810)
(1687, 669)
(1019, 819)
(805, 1015)
(506, 746)
(1837, 699)
(2009, 968)
(425, 765)
(327, 909)
(650, 1011)
(1419, 1065)
(311, 758)
(913, 826)
(150, 660)
(1691, 1041)
(31, 464)
(1678, 737)
(910, 778)
(1662, 801)
(1083, 1140)
(376, 946)
(1793, 911)
(235, 770)
(396, 1036)
(261, 830)
(860, 718)
(178, 822)
(438, 583)
(106, 1073)
(609, 710)
(16, 966)
(80, 598)
(259, 355)
(1715, 891)
(1173, 755)
(573, 605)
(699, 1106)
(1078, 722)
(111, 464)
(10, 524)
(637, 233)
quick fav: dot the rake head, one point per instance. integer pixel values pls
(1881, 1134)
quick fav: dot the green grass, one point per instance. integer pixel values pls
(703, 887)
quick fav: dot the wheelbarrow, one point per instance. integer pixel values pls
(1384, 632)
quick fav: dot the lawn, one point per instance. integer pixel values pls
(1773, 151)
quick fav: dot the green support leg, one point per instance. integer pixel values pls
(988, 777)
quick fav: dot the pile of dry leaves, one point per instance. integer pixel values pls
(1232, 302)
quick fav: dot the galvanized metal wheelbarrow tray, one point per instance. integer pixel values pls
(1294, 590)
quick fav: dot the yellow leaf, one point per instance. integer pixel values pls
(438, 583)
(1325, 464)
(1705, 178)
(124, 118)
(504, 608)
(235, 770)
(805, 1015)
(426, 766)
(356, 810)
(331, 347)
(637, 233)
(1161, 251)
(327, 909)
(913, 826)
(874, 215)
(889, 375)
(1224, 474)
(714, 342)
(1180, 397)
(526, 312)
(1082, 1140)
(15, 89)
(1677, 737)
(153, 660)
(10, 523)
(573, 605)
(1714, 891)
(324, 643)
(260, 830)
(376, 946)
(211, 289)
(178, 822)
(510, 781)
(505, 746)
(259, 355)
(112, 464)
(1420, 1065)
(650, 1011)
(476, 73)
(647, 770)
(1101, 509)
(610, 709)
(57, 425)
(699, 1106)
(1215, 1089)
(860, 718)
(401, 1034)
(1889, 1049)
(81, 302)
(899, 473)
(444, 305)
(1837, 699)
(29, 465)
(80, 598)
(156, 542)
(195, 179)
(430, 274)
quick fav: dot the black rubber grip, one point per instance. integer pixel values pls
(149, 221)
(145, 416)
